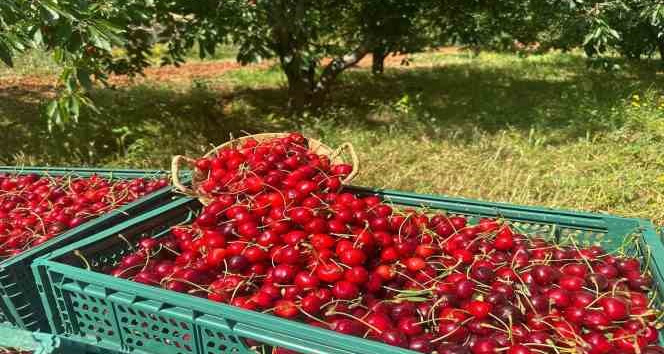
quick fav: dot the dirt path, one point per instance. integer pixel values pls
(185, 72)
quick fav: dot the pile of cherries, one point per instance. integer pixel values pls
(281, 237)
(34, 209)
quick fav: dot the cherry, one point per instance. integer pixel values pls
(543, 274)
(483, 274)
(345, 290)
(628, 341)
(465, 289)
(379, 321)
(452, 348)
(404, 309)
(479, 309)
(329, 272)
(581, 298)
(286, 309)
(571, 283)
(574, 314)
(519, 349)
(640, 282)
(238, 263)
(395, 338)
(638, 299)
(597, 343)
(484, 346)
(559, 297)
(283, 273)
(509, 314)
(409, 326)
(614, 308)
(346, 326)
(421, 344)
(357, 275)
(353, 257)
(503, 288)
(305, 280)
(415, 264)
(452, 331)
(598, 281)
(607, 270)
(596, 320)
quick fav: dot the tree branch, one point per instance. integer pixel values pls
(338, 65)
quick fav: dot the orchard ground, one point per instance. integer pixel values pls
(541, 130)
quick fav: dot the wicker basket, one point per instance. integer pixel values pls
(315, 146)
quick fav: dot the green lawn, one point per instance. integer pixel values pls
(543, 130)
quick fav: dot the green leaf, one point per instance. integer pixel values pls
(50, 109)
(38, 37)
(98, 40)
(51, 12)
(74, 107)
(83, 76)
(614, 33)
(63, 112)
(6, 54)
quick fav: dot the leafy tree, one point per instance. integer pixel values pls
(632, 28)
(313, 41)
(80, 35)
(301, 34)
(395, 26)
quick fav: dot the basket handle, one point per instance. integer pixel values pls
(175, 173)
(355, 161)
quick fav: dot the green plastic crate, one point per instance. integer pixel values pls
(19, 340)
(19, 299)
(116, 315)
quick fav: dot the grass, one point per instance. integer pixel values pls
(543, 130)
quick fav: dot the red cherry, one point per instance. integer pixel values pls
(353, 257)
(615, 309)
(345, 290)
(306, 281)
(479, 309)
(329, 273)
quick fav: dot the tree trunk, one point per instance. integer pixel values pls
(288, 43)
(378, 61)
(298, 95)
(660, 46)
(300, 84)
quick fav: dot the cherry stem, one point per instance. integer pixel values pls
(333, 312)
(78, 254)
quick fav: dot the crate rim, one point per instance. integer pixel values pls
(84, 171)
(500, 205)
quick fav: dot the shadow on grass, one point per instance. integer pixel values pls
(145, 125)
(142, 125)
(568, 102)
